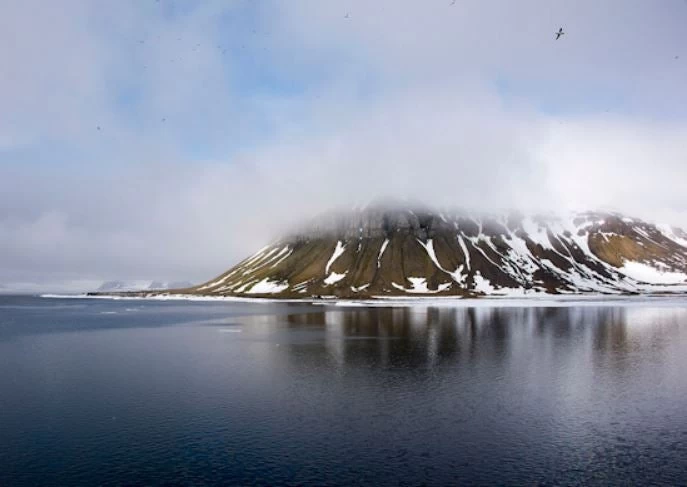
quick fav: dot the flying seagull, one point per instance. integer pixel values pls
(559, 33)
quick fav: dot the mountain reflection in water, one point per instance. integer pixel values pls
(121, 393)
(427, 337)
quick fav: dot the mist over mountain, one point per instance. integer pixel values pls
(143, 149)
(383, 250)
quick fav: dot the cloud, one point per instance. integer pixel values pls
(623, 164)
(614, 51)
(470, 105)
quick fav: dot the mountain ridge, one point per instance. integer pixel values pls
(380, 251)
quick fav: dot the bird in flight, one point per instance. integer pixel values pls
(559, 33)
(347, 16)
(453, 2)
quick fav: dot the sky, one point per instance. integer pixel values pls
(168, 139)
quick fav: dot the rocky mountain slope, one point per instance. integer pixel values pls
(390, 252)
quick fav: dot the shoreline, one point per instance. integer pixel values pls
(538, 301)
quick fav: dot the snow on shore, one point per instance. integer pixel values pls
(538, 301)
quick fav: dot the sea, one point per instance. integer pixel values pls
(149, 392)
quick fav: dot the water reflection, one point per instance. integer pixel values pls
(429, 337)
(298, 394)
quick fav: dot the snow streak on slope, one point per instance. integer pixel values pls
(465, 251)
(381, 252)
(340, 248)
(456, 275)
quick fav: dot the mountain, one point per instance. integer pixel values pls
(118, 286)
(380, 251)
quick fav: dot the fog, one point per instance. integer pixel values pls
(158, 140)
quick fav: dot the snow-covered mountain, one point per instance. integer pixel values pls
(138, 285)
(379, 251)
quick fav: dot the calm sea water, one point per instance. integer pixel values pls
(98, 392)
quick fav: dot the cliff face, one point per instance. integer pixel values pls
(390, 252)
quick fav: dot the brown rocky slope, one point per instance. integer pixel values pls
(384, 252)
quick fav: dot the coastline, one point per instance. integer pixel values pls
(538, 301)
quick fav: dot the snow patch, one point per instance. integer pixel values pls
(268, 287)
(483, 285)
(646, 273)
(333, 278)
(340, 248)
(419, 286)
